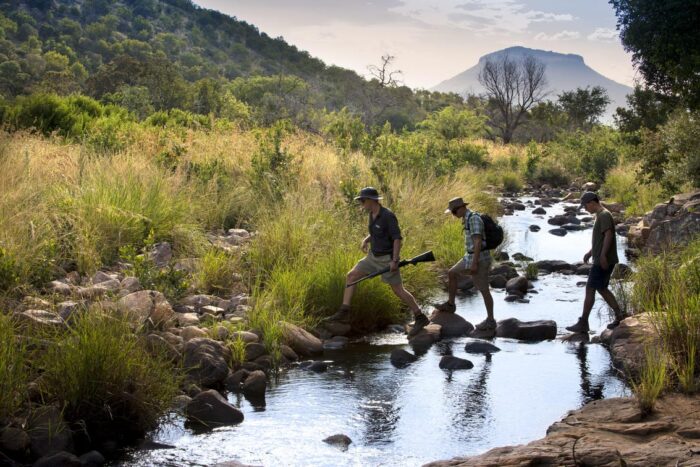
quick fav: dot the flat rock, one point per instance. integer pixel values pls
(527, 330)
(449, 362)
(552, 265)
(210, 409)
(147, 306)
(451, 324)
(41, 319)
(478, 346)
(401, 358)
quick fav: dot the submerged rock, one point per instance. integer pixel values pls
(401, 358)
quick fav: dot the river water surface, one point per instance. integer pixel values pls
(410, 416)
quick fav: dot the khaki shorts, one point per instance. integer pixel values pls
(371, 263)
(481, 278)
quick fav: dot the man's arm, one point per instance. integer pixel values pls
(607, 244)
(396, 255)
(477, 251)
(365, 244)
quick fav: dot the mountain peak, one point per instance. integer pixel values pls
(544, 55)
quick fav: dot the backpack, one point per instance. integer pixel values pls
(493, 233)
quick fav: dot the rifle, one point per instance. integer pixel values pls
(422, 258)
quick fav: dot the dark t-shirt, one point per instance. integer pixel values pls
(383, 231)
(603, 222)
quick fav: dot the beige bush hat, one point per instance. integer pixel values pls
(455, 203)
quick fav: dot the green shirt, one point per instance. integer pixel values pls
(604, 222)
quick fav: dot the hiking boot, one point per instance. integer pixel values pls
(446, 307)
(420, 322)
(581, 327)
(341, 316)
(614, 324)
(489, 324)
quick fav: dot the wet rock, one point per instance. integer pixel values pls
(527, 330)
(521, 257)
(534, 228)
(576, 337)
(336, 343)
(205, 361)
(558, 232)
(147, 306)
(180, 402)
(483, 334)
(583, 269)
(60, 459)
(501, 256)
(573, 227)
(517, 284)
(552, 265)
(48, 432)
(465, 282)
(14, 440)
(234, 380)
(255, 384)
(498, 281)
(92, 459)
(427, 336)
(288, 353)
(539, 210)
(451, 324)
(560, 220)
(512, 298)
(340, 441)
(401, 358)
(449, 362)
(480, 347)
(254, 350)
(505, 270)
(303, 342)
(337, 329)
(210, 409)
(318, 367)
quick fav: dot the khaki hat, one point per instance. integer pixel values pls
(454, 204)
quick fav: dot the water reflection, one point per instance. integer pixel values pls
(590, 391)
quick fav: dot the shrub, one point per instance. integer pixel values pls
(13, 372)
(169, 281)
(215, 272)
(531, 271)
(622, 185)
(105, 380)
(511, 182)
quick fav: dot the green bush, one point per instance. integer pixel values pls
(169, 281)
(591, 154)
(215, 272)
(511, 182)
(652, 380)
(622, 185)
(105, 380)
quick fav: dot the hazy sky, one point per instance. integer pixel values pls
(434, 40)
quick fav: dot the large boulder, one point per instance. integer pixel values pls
(673, 223)
(527, 330)
(302, 341)
(206, 361)
(254, 350)
(210, 409)
(451, 324)
(255, 384)
(147, 306)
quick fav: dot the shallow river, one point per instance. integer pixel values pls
(405, 417)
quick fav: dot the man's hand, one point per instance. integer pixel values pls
(586, 257)
(604, 262)
(393, 266)
(364, 246)
(474, 267)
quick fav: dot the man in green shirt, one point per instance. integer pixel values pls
(604, 254)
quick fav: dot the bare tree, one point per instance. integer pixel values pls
(386, 77)
(513, 86)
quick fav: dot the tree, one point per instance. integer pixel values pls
(584, 106)
(386, 77)
(646, 108)
(664, 39)
(513, 86)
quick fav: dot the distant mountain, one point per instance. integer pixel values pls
(564, 72)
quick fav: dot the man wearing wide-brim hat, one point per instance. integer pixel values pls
(382, 246)
(476, 262)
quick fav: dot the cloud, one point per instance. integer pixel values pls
(603, 35)
(559, 36)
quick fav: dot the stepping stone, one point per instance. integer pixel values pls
(400, 358)
(527, 330)
(448, 362)
(480, 347)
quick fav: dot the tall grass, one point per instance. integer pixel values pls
(13, 371)
(652, 379)
(102, 375)
(622, 185)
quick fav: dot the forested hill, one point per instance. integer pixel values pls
(172, 53)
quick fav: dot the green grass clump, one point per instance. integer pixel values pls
(623, 185)
(531, 271)
(215, 272)
(103, 377)
(652, 379)
(13, 371)
(512, 182)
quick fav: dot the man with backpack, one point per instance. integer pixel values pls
(477, 259)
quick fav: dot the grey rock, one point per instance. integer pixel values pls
(552, 265)
(539, 210)
(210, 409)
(131, 284)
(288, 353)
(558, 232)
(340, 441)
(534, 228)
(255, 384)
(14, 440)
(498, 281)
(254, 350)
(92, 459)
(60, 288)
(161, 254)
(401, 358)
(504, 270)
(451, 324)
(234, 381)
(583, 269)
(59, 459)
(158, 346)
(527, 330)
(501, 256)
(573, 227)
(147, 306)
(303, 342)
(336, 343)
(519, 284)
(205, 361)
(337, 329)
(41, 319)
(521, 257)
(449, 362)
(480, 347)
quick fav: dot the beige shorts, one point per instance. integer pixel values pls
(371, 263)
(481, 278)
